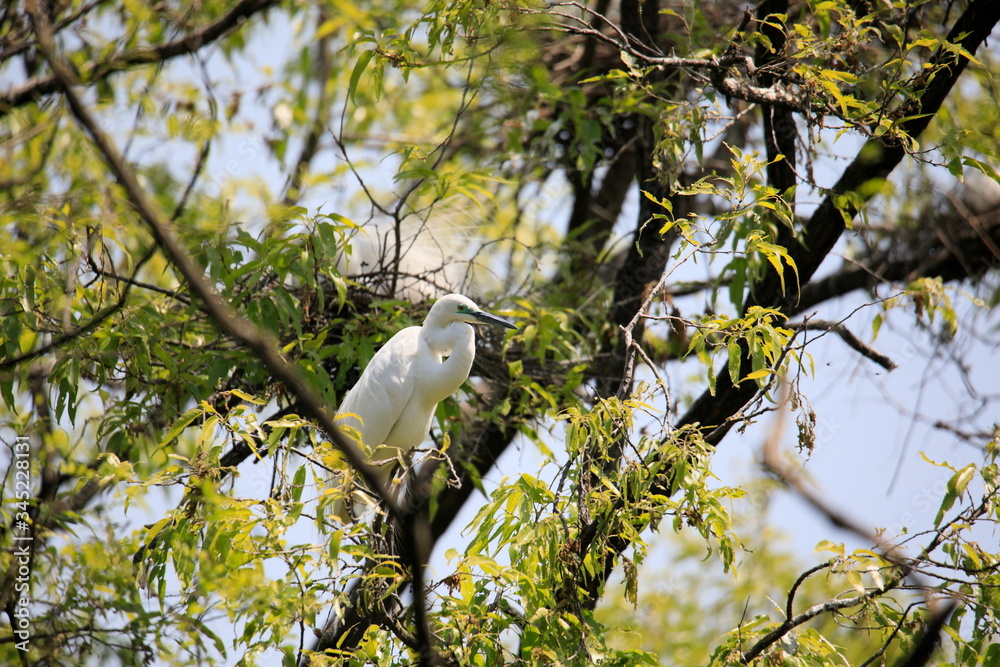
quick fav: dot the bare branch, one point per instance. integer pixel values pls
(905, 567)
(719, 69)
(848, 337)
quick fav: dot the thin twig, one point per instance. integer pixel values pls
(25, 44)
(131, 280)
(892, 635)
(906, 567)
(321, 118)
(848, 337)
(182, 46)
(95, 322)
(789, 602)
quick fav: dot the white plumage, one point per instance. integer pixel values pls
(392, 405)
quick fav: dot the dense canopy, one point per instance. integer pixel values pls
(215, 213)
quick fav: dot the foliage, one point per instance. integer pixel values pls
(648, 188)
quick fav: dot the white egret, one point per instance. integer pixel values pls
(392, 405)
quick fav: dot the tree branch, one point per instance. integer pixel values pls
(966, 256)
(96, 321)
(719, 70)
(905, 567)
(779, 125)
(712, 413)
(848, 337)
(188, 44)
(875, 160)
(25, 44)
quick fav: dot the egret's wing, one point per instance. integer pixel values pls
(384, 389)
(375, 403)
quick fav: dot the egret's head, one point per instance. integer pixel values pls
(458, 308)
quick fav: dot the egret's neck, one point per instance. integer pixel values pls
(457, 338)
(458, 342)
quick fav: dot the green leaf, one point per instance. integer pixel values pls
(333, 546)
(155, 530)
(180, 424)
(986, 169)
(247, 397)
(735, 357)
(298, 483)
(827, 545)
(359, 69)
(957, 485)
(876, 325)
(960, 480)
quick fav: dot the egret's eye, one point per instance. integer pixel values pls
(463, 309)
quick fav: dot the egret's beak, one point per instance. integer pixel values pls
(490, 318)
